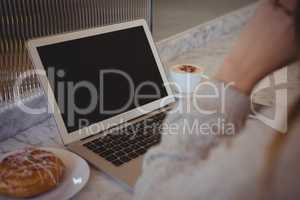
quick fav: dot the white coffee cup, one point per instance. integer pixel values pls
(186, 77)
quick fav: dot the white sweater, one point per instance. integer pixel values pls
(192, 164)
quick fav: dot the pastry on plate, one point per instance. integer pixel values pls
(30, 172)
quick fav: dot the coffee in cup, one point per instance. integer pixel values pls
(186, 77)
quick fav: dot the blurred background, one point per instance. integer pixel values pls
(174, 16)
(22, 20)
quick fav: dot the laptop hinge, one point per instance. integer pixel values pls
(164, 109)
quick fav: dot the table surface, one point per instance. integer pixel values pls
(100, 185)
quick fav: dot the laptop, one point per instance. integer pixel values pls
(108, 92)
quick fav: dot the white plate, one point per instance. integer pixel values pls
(76, 176)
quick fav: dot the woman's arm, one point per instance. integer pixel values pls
(267, 43)
(197, 124)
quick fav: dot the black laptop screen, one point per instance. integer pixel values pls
(101, 76)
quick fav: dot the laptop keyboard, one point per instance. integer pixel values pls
(123, 145)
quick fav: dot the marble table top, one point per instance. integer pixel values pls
(204, 45)
(211, 55)
(45, 134)
(208, 56)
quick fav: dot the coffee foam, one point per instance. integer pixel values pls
(180, 69)
(190, 69)
(184, 79)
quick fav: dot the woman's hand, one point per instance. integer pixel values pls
(267, 43)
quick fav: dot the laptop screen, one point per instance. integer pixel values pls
(102, 76)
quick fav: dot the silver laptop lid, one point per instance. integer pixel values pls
(100, 77)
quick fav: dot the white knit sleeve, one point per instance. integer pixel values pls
(214, 111)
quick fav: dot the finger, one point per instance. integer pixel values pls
(285, 6)
(289, 4)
